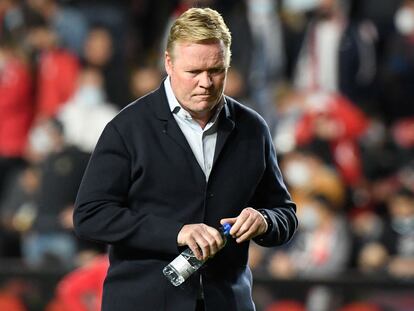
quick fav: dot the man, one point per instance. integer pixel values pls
(173, 165)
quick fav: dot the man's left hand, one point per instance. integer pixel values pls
(249, 224)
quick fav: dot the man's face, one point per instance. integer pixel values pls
(198, 74)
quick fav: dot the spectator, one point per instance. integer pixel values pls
(322, 246)
(337, 54)
(331, 127)
(50, 239)
(89, 99)
(398, 68)
(16, 108)
(99, 53)
(57, 70)
(307, 174)
(369, 254)
(69, 25)
(18, 210)
(81, 289)
(12, 20)
(320, 249)
(267, 62)
(400, 237)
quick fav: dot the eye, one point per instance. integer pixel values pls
(216, 71)
(194, 72)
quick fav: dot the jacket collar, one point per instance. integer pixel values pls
(163, 111)
(161, 108)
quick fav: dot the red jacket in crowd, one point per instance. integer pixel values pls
(81, 290)
(340, 123)
(58, 73)
(16, 107)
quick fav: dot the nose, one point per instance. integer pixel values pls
(205, 80)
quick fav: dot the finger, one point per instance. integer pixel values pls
(245, 226)
(250, 233)
(209, 241)
(230, 221)
(239, 222)
(191, 236)
(195, 249)
(212, 246)
(217, 240)
(204, 245)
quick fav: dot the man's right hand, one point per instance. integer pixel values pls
(203, 240)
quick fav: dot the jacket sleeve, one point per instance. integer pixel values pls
(272, 196)
(101, 210)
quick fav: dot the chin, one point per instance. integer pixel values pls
(203, 106)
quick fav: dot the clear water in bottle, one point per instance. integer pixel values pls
(178, 270)
(182, 267)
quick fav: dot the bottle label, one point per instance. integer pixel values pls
(183, 267)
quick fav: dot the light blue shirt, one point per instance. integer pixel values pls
(202, 141)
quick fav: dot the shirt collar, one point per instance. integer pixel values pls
(177, 109)
(172, 100)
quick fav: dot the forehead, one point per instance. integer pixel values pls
(209, 53)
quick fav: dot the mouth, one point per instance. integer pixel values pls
(204, 95)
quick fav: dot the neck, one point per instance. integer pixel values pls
(202, 119)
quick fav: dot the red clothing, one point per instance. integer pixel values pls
(16, 108)
(11, 303)
(350, 122)
(81, 290)
(58, 74)
(403, 132)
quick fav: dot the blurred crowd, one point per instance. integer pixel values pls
(334, 79)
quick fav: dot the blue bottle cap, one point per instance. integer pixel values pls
(226, 229)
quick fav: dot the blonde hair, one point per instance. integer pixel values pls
(198, 25)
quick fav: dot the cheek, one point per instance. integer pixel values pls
(189, 84)
(185, 86)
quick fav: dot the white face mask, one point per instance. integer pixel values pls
(300, 5)
(261, 6)
(309, 218)
(297, 174)
(403, 225)
(89, 96)
(404, 20)
(40, 140)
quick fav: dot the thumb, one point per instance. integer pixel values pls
(231, 221)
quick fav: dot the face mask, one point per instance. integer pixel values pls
(301, 5)
(40, 141)
(89, 96)
(404, 20)
(403, 225)
(309, 218)
(261, 6)
(297, 174)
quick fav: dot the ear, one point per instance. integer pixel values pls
(168, 63)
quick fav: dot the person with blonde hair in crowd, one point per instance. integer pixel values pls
(174, 165)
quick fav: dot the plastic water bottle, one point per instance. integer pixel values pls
(185, 264)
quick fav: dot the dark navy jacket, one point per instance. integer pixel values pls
(143, 184)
